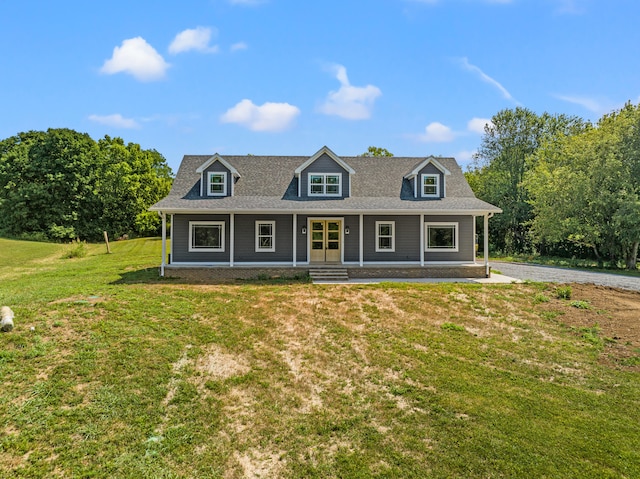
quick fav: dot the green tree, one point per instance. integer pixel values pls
(586, 188)
(501, 163)
(376, 151)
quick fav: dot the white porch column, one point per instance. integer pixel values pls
(422, 240)
(474, 239)
(486, 245)
(295, 239)
(232, 235)
(361, 240)
(164, 243)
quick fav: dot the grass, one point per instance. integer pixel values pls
(125, 375)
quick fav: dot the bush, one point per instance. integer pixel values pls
(77, 249)
(563, 292)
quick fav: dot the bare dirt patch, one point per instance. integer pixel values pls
(615, 312)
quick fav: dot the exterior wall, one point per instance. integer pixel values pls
(351, 243)
(324, 164)
(245, 239)
(407, 239)
(180, 240)
(217, 167)
(466, 240)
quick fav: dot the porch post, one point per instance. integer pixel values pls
(295, 238)
(474, 239)
(361, 240)
(232, 235)
(164, 243)
(486, 245)
(421, 239)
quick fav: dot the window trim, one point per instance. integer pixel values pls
(224, 183)
(324, 184)
(258, 236)
(456, 239)
(392, 236)
(437, 185)
(194, 249)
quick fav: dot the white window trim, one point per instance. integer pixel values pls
(224, 183)
(273, 236)
(437, 185)
(456, 246)
(193, 249)
(393, 237)
(324, 184)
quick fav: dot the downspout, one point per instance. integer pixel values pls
(486, 244)
(164, 243)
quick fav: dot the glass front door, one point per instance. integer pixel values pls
(325, 241)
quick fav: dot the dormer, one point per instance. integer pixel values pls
(428, 179)
(324, 175)
(217, 177)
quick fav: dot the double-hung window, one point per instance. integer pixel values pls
(385, 236)
(217, 183)
(430, 186)
(265, 236)
(441, 237)
(206, 236)
(325, 184)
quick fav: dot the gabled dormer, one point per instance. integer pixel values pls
(324, 175)
(429, 179)
(217, 177)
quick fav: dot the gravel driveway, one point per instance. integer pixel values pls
(565, 275)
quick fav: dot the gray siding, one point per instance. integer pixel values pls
(430, 169)
(245, 239)
(302, 240)
(180, 240)
(407, 239)
(324, 164)
(351, 243)
(466, 241)
(217, 167)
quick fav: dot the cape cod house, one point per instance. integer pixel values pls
(243, 216)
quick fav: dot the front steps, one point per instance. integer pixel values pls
(325, 275)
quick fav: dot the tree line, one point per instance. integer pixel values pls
(60, 184)
(567, 187)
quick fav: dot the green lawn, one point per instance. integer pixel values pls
(112, 372)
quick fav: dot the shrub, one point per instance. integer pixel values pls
(563, 292)
(77, 249)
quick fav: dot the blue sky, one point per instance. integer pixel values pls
(285, 77)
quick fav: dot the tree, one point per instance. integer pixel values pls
(586, 188)
(501, 164)
(61, 184)
(376, 151)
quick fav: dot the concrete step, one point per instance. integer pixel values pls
(328, 274)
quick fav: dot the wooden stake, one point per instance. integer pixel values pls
(6, 321)
(106, 240)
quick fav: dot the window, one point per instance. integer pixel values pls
(265, 236)
(217, 183)
(385, 236)
(206, 236)
(325, 184)
(430, 186)
(441, 237)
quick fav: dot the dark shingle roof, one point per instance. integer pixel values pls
(268, 183)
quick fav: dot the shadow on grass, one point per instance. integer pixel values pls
(152, 276)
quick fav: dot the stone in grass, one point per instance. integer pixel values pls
(6, 319)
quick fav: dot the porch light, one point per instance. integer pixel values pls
(346, 230)
(304, 230)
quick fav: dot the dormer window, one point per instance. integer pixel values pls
(325, 184)
(431, 186)
(217, 183)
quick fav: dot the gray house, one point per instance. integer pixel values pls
(239, 216)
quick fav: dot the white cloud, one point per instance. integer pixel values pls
(437, 133)
(570, 7)
(239, 46)
(116, 120)
(464, 62)
(137, 58)
(476, 125)
(267, 117)
(465, 157)
(193, 39)
(585, 102)
(350, 102)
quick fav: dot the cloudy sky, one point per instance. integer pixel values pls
(285, 77)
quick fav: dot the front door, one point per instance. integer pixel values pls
(325, 241)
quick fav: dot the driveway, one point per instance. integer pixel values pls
(555, 274)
